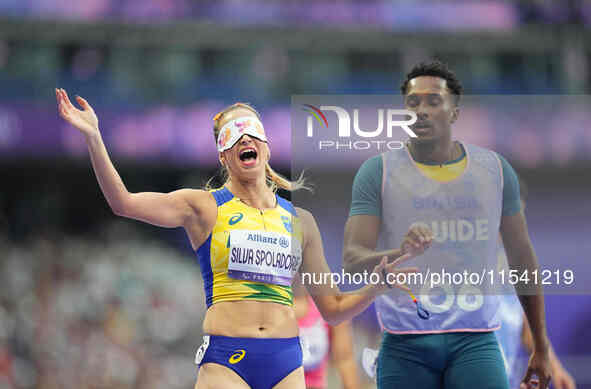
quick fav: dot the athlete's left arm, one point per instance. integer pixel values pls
(315, 274)
(521, 257)
(341, 345)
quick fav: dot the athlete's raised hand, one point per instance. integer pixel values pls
(84, 120)
(417, 240)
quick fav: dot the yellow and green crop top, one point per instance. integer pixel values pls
(251, 254)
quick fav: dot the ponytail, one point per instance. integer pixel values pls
(277, 181)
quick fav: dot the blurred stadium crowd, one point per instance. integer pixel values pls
(111, 312)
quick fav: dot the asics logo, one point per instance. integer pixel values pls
(236, 218)
(237, 356)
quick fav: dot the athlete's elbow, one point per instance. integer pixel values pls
(122, 204)
(350, 259)
(119, 208)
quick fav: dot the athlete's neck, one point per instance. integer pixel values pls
(256, 194)
(434, 152)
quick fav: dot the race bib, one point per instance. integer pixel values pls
(263, 256)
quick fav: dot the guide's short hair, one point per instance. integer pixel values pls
(436, 69)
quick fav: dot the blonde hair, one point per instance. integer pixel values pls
(274, 180)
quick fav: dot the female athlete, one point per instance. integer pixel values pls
(250, 243)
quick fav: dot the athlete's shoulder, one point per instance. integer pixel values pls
(371, 170)
(367, 188)
(506, 168)
(199, 203)
(475, 148)
(483, 156)
(192, 196)
(502, 159)
(306, 219)
(303, 213)
(286, 204)
(307, 224)
(220, 195)
(376, 160)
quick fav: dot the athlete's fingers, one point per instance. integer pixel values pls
(381, 265)
(426, 236)
(425, 243)
(84, 104)
(426, 233)
(63, 109)
(544, 382)
(422, 232)
(400, 260)
(62, 99)
(81, 101)
(406, 270)
(64, 113)
(528, 375)
(419, 233)
(380, 269)
(415, 234)
(412, 240)
(533, 384)
(421, 237)
(67, 100)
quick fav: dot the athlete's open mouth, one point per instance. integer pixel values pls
(248, 154)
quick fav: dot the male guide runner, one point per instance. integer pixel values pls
(450, 187)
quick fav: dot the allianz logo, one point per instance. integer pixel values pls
(260, 238)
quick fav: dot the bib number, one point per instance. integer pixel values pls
(469, 298)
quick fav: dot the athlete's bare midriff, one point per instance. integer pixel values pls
(250, 319)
